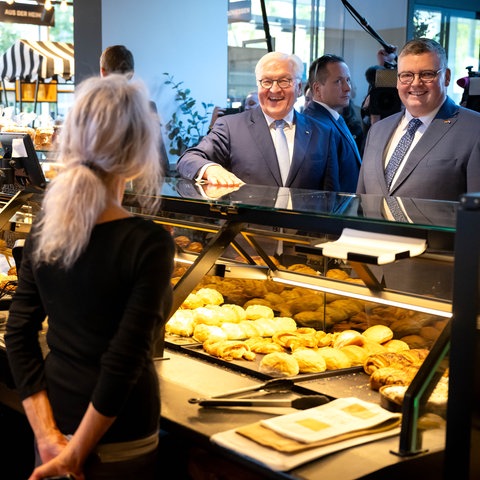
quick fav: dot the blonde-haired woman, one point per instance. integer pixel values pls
(102, 277)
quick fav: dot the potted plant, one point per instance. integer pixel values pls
(187, 125)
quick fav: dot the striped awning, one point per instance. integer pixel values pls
(30, 60)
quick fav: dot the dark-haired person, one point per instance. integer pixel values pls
(102, 278)
(443, 160)
(330, 84)
(241, 148)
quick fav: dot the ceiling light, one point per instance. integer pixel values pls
(48, 5)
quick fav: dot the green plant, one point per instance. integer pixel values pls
(187, 125)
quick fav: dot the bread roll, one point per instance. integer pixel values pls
(279, 364)
(192, 301)
(355, 354)
(203, 332)
(309, 360)
(348, 337)
(210, 296)
(254, 312)
(334, 358)
(378, 333)
(182, 323)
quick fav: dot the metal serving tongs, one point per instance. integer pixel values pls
(273, 385)
(277, 385)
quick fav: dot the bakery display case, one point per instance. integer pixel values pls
(292, 273)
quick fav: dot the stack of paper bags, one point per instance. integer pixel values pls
(286, 441)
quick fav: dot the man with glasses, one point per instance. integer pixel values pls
(431, 149)
(269, 145)
(330, 83)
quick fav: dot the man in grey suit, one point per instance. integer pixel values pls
(443, 160)
(329, 81)
(241, 148)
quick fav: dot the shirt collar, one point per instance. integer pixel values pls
(288, 118)
(426, 119)
(332, 112)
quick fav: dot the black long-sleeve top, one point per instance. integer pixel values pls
(103, 317)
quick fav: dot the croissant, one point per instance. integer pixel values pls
(405, 358)
(392, 376)
(228, 349)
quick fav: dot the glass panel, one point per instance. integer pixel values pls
(294, 26)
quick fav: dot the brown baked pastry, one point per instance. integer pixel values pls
(254, 312)
(195, 247)
(302, 268)
(279, 364)
(403, 359)
(182, 241)
(228, 349)
(392, 376)
(263, 345)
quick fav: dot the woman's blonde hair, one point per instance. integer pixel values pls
(109, 133)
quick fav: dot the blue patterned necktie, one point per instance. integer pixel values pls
(281, 146)
(400, 150)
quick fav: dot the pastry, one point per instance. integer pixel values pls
(309, 360)
(254, 312)
(210, 296)
(203, 332)
(195, 247)
(210, 315)
(392, 376)
(263, 345)
(182, 241)
(378, 333)
(228, 349)
(355, 354)
(348, 337)
(334, 358)
(192, 301)
(182, 323)
(395, 345)
(279, 364)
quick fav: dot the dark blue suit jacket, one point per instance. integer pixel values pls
(242, 143)
(348, 155)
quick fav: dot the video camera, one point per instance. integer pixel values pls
(471, 93)
(384, 99)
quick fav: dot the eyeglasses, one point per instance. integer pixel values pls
(427, 76)
(282, 82)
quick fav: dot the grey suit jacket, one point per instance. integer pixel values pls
(443, 165)
(242, 143)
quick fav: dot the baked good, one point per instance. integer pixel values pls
(195, 247)
(263, 345)
(334, 358)
(355, 354)
(392, 376)
(182, 241)
(348, 337)
(309, 360)
(43, 138)
(396, 345)
(279, 364)
(378, 333)
(235, 313)
(203, 332)
(182, 323)
(209, 315)
(402, 359)
(228, 349)
(254, 312)
(192, 301)
(210, 296)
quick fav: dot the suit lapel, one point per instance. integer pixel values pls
(262, 137)
(441, 124)
(303, 134)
